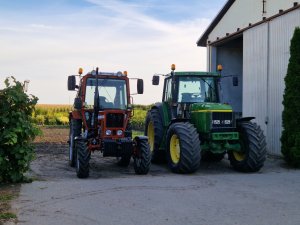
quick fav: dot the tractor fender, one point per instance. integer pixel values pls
(138, 138)
(178, 120)
(245, 119)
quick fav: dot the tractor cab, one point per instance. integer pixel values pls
(184, 90)
(112, 93)
(101, 119)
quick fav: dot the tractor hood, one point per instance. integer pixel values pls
(208, 116)
(210, 107)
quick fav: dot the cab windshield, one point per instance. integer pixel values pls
(112, 93)
(197, 89)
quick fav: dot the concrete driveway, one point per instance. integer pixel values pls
(215, 195)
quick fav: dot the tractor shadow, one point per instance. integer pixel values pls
(51, 163)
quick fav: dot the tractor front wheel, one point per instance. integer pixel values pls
(183, 148)
(141, 155)
(75, 130)
(253, 148)
(83, 159)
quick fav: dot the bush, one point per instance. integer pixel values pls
(290, 138)
(16, 131)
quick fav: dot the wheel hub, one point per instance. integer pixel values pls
(150, 133)
(175, 149)
(239, 156)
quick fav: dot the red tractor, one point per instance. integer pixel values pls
(101, 121)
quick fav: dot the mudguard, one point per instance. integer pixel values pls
(245, 119)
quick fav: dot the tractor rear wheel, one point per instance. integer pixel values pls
(253, 146)
(141, 155)
(183, 148)
(83, 158)
(75, 130)
(154, 131)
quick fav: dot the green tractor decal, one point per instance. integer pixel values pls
(191, 124)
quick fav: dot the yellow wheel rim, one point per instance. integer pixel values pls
(175, 149)
(150, 133)
(239, 156)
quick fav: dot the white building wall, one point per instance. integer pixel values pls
(255, 61)
(281, 32)
(265, 60)
(243, 12)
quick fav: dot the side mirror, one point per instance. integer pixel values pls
(235, 81)
(77, 103)
(140, 86)
(155, 80)
(71, 83)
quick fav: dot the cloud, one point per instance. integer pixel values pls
(113, 35)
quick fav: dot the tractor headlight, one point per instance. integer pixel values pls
(119, 132)
(216, 122)
(108, 132)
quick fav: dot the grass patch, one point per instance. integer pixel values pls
(7, 194)
(6, 197)
(137, 133)
(7, 216)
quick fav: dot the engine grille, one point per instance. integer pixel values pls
(114, 120)
(222, 120)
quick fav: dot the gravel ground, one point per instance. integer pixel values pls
(214, 195)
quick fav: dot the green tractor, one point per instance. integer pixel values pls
(191, 124)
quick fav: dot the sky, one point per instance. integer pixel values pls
(44, 41)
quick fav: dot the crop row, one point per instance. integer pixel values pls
(59, 115)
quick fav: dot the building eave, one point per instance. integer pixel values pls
(240, 32)
(203, 39)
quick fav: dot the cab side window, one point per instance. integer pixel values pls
(168, 91)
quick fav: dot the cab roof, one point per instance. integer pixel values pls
(196, 73)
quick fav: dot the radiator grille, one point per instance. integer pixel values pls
(114, 120)
(222, 120)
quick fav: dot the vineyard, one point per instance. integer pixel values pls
(46, 114)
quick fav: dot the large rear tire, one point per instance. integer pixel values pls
(83, 159)
(253, 144)
(75, 130)
(154, 131)
(183, 148)
(141, 155)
